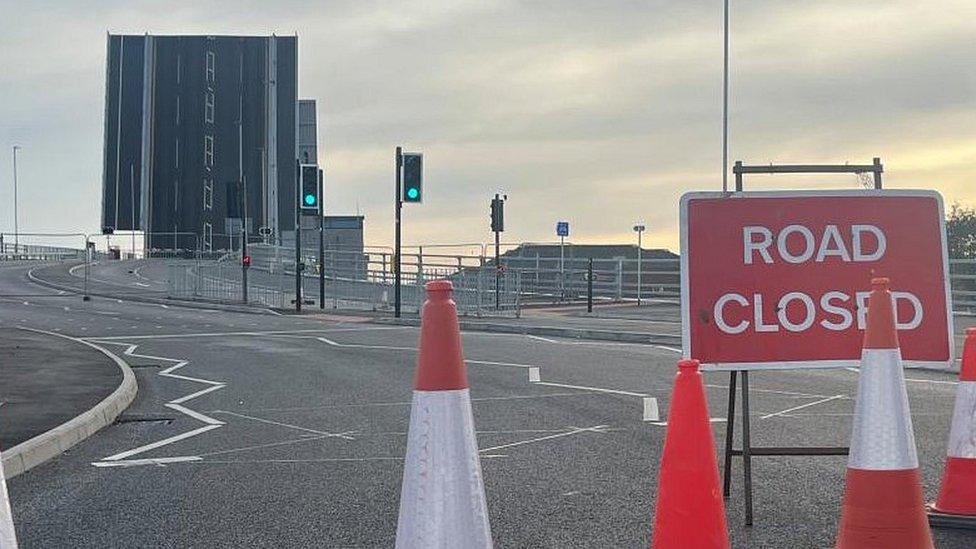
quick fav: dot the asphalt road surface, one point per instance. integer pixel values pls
(280, 431)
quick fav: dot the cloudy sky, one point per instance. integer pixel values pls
(597, 112)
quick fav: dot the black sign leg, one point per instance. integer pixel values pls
(729, 431)
(746, 448)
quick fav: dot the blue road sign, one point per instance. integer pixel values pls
(562, 228)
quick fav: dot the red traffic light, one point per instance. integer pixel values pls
(246, 260)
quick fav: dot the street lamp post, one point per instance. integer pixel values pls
(16, 226)
(639, 229)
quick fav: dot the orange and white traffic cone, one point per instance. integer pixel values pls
(442, 502)
(690, 513)
(957, 498)
(883, 505)
(8, 536)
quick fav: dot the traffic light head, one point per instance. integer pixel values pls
(308, 198)
(413, 164)
(497, 214)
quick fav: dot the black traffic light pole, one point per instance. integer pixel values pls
(497, 226)
(321, 242)
(396, 253)
(498, 265)
(298, 237)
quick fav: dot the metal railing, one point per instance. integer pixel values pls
(364, 279)
(962, 277)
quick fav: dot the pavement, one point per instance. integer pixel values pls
(289, 431)
(47, 381)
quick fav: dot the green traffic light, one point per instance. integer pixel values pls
(413, 193)
(310, 199)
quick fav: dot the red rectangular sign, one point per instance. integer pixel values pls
(780, 279)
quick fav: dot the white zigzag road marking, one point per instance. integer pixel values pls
(121, 459)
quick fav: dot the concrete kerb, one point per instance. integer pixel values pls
(189, 304)
(551, 331)
(52, 443)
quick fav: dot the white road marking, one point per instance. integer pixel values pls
(651, 412)
(195, 415)
(318, 460)
(149, 461)
(570, 432)
(665, 423)
(533, 371)
(932, 381)
(594, 389)
(346, 434)
(210, 334)
(802, 406)
(540, 338)
(266, 445)
(363, 346)
(408, 403)
(161, 443)
(176, 404)
(770, 391)
(666, 348)
(916, 380)
(192, 396)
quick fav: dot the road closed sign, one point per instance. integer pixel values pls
(781, 279)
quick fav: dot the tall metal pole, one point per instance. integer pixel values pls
(322, 241)
(562, 270)
(132, 202)
(16, 225)
(240, 175)
(725, 106)
(640, 267)
(396, 257)
(589, 286)
(245, 265)
(298, 238)
(498, 271)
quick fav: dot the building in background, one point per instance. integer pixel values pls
(187, 120)
(308, 150)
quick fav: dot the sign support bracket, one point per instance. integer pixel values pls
(747, 450)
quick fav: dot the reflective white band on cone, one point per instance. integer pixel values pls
(962, 435)
(442, 502)
(882, 437)
(8, 536)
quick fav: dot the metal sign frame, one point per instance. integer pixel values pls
(747, 450)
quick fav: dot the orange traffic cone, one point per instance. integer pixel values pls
(442, 501)
(883, 505)
(8, 536)
(958, 494)
(690, 513)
